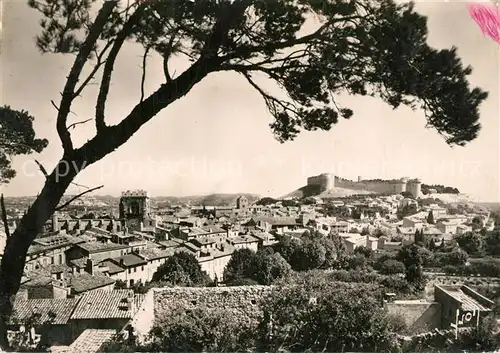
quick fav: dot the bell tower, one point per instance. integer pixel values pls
(134, 208)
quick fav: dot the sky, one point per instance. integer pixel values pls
(217, 138)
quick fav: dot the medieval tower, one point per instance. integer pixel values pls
(415, 187)
(134, 209)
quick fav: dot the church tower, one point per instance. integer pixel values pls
(134, 209)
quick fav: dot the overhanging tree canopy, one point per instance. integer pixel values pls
(17, 137)
(360, 47)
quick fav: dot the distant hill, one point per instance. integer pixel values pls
(310, 190)
(107, 200)
(492, 206)
(207, 200)
(453, 198)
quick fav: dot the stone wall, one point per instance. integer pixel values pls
(380, 187)
(143, 320)
(243, 301)
(419, 316)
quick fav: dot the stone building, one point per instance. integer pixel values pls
(241, 203)
(453, 307)
(135, 209)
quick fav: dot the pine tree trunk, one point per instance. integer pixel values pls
(13, 260)
(4, 217)
(108, 139)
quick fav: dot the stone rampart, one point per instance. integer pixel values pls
(244, 301)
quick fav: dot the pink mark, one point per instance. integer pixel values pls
(488, 18)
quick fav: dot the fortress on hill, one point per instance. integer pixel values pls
(324, 182)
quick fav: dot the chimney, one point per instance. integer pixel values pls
(22, 294)
(55, 222)
(130, 301)
(90, 266)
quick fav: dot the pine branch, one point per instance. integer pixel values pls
(42, 169)
(143, 79)
(82, 57)
(72, 126)
(109, 65)
(77, 197)
(96, 68)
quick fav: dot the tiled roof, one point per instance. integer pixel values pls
(191, 246)
(204, 241)
(102, 304)
(112, 267)
(227, 250)
(213, 229)
(52, 242)
(91, 340)
(36, 278)
(80, 263)
(243, 239)
(355, 239)
(283, 221)
(154, 254)
(84, 282)
(94, 247)
(467, 301)
(129, 260)
(62, 308)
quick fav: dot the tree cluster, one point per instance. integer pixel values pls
(482, 267)
(311, 314)
(265, 201)
(181, 269)
(480, 243)
(406, 210)
(262, 267)
(440, 189)
(17, 137)
(312, 251)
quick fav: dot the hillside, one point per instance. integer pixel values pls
(112, 201)
(208, 200)
(453, 198)
(332, 193)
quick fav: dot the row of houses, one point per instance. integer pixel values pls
(68, 321)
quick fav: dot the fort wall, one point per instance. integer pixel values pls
(323, 181)
(379, 187)
(329, 181)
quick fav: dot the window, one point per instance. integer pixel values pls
(60, 259)
(129, 270)
(52, 260)
(142, 269)
(135, 269)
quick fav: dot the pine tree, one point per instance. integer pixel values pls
(430, 218)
